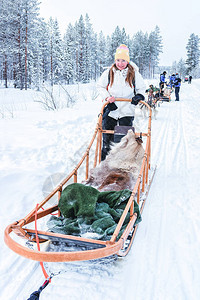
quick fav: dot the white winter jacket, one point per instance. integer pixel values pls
(121, 89)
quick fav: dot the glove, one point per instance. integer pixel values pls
(112, 106)
(136, 99)
(110, 99)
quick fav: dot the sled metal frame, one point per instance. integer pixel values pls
(100, 248)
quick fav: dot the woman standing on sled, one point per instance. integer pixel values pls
(122, 80)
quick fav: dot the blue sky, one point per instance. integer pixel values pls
(177, 19)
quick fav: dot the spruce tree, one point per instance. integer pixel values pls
(69, 55)
(56, 58)
(181, 68)
(102, 55)
(8, 38)
(193, 52)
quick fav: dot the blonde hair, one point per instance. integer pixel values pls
(129, 78)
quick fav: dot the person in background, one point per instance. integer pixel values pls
(153, 90)
(177, 84)
(162, 82)
(171, 79)
(153, 95)
(190, 79)
(121, 80)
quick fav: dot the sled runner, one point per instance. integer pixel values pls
(74, 247)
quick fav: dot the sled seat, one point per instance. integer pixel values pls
(120, 131)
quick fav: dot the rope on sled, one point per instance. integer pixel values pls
(38, 243)
(35, 295)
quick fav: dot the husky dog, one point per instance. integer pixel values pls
(144, 109)
(121, 167)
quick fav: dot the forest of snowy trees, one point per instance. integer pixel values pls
(33, 51)
(191, 65)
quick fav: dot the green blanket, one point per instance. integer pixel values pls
(90, 213)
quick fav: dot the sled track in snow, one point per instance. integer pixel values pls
(170, 138)
(13, 288)
(169, 143)
(175, 228)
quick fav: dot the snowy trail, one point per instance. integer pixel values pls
(164, 261)
(165, 254)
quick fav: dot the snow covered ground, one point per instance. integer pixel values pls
(164, 262)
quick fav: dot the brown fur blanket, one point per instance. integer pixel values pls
(121, 167)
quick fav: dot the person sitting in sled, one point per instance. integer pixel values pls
(153, 94)
(152, 90)
(121, 80)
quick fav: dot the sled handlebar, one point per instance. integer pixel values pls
(126, 100)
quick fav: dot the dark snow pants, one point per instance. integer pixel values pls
(177, 89)
(162, 85)
(109, 123)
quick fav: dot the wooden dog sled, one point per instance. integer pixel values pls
(166, 96)
(89, 249)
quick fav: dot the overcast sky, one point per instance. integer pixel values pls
(177, 19)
